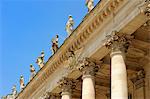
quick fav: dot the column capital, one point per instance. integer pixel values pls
(67, 84)
(88, 66)
(118, 41)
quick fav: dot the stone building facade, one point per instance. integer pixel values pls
(109, 57)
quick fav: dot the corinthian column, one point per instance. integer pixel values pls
(88, 84)
(66, 85)
(119, 89)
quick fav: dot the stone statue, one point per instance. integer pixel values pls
(55, 44)
(22, 85)
(14, 92)
(40, 60)
(32, 71)
(90, 4)
(69, 25)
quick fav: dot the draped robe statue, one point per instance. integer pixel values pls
(40, 60)
(22, 85)
(69, 25)
(32, 71)
(14, 92)
(90, 4)
(55, 44)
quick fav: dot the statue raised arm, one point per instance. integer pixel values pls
(69, 25)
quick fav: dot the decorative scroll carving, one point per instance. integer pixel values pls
(88, 66)
(138, 79)
(73, 58)
(117, 41)
(67, 84)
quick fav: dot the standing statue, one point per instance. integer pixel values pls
(55, 44)
(14, 92)
(90, 4)
(69, 25)
(21, 83)
(40, 60)
(32, 71)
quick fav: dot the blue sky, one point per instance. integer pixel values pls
(26, 28)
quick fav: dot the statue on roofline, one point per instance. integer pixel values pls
(69, 26)
(55, 44)
(14, 92)
(90, 4)
(32, 71)
(40, 60)
(22, 85)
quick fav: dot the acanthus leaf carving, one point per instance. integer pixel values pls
(118, 41)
